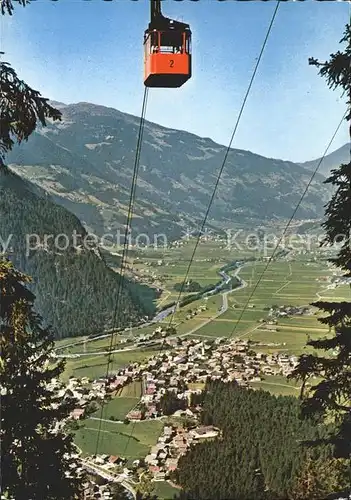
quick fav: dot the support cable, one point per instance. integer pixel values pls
(219, 177)
(117, 308)
(225, 158)
(287, 226)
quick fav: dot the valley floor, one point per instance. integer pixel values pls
(278, 318)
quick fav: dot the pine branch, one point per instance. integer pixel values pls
(6, 6)
(21, 108)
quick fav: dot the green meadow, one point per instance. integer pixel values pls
(164, 491)
(96, 366)
(277, 385)
(132, 440)
(282, 283)
(297, 282)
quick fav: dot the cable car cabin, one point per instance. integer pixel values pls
(167, 56)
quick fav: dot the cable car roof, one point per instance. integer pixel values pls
(162, 23)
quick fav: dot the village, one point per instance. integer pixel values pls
(172, 383)
(171, 386)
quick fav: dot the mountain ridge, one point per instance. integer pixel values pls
(329, 162)
(86, 164)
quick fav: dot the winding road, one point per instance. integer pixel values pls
(163, 314)
(224, 307)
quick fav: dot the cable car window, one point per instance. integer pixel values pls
(154, 38)
(188, 45)
(171, 42)
(147, 44)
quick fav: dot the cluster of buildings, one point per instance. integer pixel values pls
(189, 365)
(182, 371)
(109, 461)
(285, 311)
(158, 333)
(171, 445)
(339, 281)
(279, 364)
(95, 491)
(81, 391)
(192, 313)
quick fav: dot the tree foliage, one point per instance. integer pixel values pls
(118, 492)
(21, 108)
(36, 458)
(337, 69)
(318, 477)
(6, 6)
(191, 286)
(330, 398)
(258, 454)
(170, 403)
(145, 488)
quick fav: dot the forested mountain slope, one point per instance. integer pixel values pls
(75, 289)
(259, 455)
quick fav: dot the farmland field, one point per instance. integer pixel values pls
(123, 401)
(117, 408)
(93, 346)
(277, 385)
(283, 283)
(96, 366)
(128, 440)
(164, 491)
(132, 390)
(296, 283)
(170, 265)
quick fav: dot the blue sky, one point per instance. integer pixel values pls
(76, 50)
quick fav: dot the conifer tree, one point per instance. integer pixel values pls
(6, 6)
(145, 488)
(258, 486)
(330, 398)
(318, 477)
(21, 107)
(118, 492)
(37, 456)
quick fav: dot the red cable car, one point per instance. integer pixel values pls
(167, 51)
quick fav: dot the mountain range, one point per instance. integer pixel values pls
(329, 162)
(85, 163)
(75, 176)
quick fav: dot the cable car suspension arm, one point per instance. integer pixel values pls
(155, 9)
